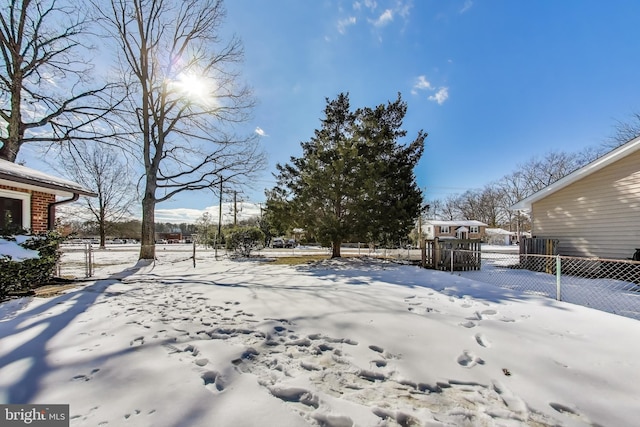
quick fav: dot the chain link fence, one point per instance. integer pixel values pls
(603, 284)
(608, 285)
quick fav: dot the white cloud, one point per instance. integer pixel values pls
(344, 23)
(384, 19)
(260, 131)
(440, 96)
(371, 4)
(379, 16)
(421, 84)
(246, 210)
(404, 9)
(467, 5)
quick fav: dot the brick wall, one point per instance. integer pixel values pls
(40, 210)
(39, 207)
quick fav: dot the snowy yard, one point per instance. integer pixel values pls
(353, 342)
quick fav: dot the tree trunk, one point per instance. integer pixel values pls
(103, 234)
(9, 151)
(15, 129)
(335, 249)
(148, 242)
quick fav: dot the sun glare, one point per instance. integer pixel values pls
(194, 87)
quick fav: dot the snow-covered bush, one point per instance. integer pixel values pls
(27, 261)
(243, 240)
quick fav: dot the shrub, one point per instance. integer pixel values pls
(242, 240)
(20, 276)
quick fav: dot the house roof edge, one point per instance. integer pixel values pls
(596, 165)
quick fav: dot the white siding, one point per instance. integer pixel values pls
(598, 216)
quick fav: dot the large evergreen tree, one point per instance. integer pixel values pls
(354, 180)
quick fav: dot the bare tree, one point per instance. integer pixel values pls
(435, 207)
(101, 169)
(539, 173)
(625, 131)
(449, 209)
(185, 98)
(481, 205)
(513, 188)
(45, 90)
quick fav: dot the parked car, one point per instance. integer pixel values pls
(291, 243)
(277, 243)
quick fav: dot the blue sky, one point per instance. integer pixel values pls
(494, 82)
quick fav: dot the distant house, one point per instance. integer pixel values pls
(499, 236)
(28, 198)
(171, 237)
(453, 229)
(594, 211)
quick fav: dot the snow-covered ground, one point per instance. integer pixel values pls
(352, 342)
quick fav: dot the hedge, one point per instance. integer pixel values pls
(22, 276)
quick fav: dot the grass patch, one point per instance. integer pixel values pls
(296, 260)
(48, 291)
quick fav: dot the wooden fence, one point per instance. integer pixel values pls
(535, 246)
(452, 255)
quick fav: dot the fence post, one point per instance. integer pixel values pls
(88, 270)
(452, 255)
(558, 275)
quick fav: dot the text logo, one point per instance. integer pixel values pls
(34, 415)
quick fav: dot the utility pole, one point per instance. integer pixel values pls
(219, 220)
(235, 208)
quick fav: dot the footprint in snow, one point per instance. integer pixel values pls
(400, 417)
(482, 340)
(135, 412)
(201, 362)
(468, 360)
(213, 381)
(475, 316)
(512, 401)
(468, 324)
(138, 341)
(295, 394)
(564, 409)
(376, 348)
(329, 420)
(379, 363)
(82, 377)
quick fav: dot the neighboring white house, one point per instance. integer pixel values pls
(453, 229)
(594, 211)
(499, 236)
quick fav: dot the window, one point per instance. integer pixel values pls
(444, 229)
(474, 229)
(15, 210)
